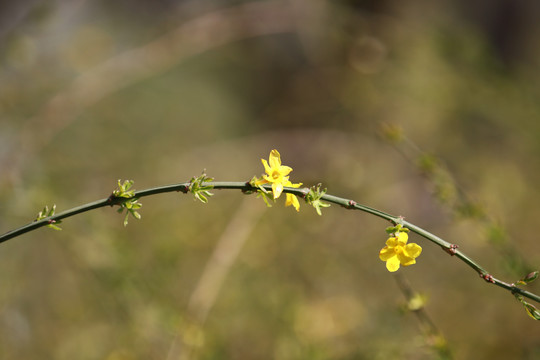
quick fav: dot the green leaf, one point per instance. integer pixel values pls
(391, 230)
(529, 278)
(266, 196)
(532, 311)
(52, 211)
(54, 226)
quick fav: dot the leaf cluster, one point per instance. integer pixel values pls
(199, 189)
(313, 197)
(131, 204)
(45, 213)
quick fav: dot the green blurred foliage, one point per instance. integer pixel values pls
(157, 91)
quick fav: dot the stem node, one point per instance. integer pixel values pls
(488, 278)
(452, 249)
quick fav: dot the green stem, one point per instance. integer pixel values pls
(301, 192)
(110, 201)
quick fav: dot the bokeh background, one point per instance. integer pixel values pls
(423, 109)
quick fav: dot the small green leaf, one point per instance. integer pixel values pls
(52, 211)
(532, 311)
(391, 230)
(266, 196)
(55, 227)
(529, 278)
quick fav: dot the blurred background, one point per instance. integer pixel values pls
(423, 109)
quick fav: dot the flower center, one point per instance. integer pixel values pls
(275, 175)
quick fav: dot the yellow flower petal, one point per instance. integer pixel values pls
(275, 159)
(266, 167)
(290, 184)
(285, 170)
(392, 242)
(386, 253)
(410, 261)
(277, 189)
(402, 238)
(405, 260)
(261, 182)
(292, 200)
(412, 250)
(392, 264)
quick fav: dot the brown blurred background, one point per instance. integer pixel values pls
(157, 91)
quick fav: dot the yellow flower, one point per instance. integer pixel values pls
(397, 252)
(292, 199)
(276, 174)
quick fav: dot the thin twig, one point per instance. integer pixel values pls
(301, 192)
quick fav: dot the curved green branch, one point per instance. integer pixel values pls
(246, 187)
